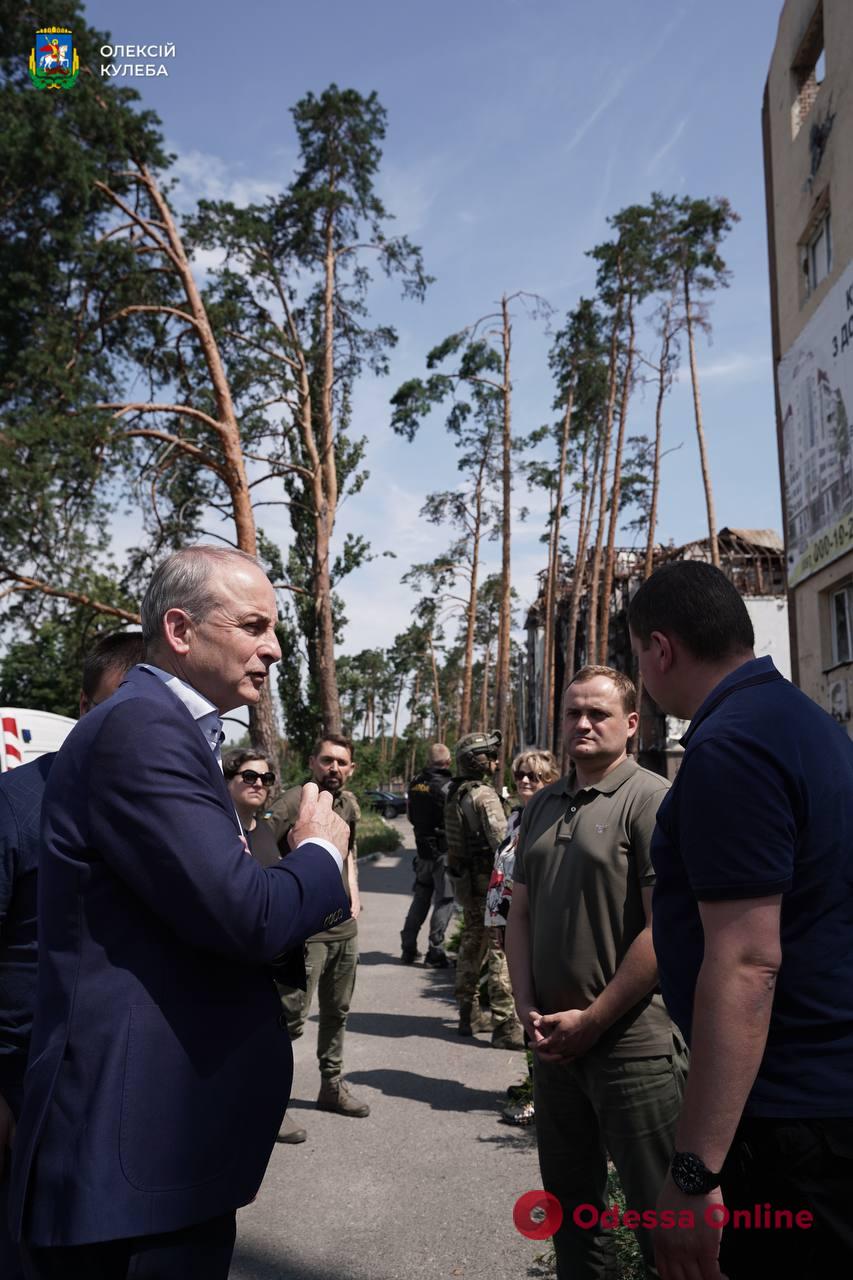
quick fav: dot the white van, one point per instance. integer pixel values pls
(29, 734)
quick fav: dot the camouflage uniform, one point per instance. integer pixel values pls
(475, 824)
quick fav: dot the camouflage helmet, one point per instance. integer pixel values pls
(474, 750)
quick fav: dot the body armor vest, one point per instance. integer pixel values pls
(467, 846)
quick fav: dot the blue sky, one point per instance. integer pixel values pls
(514, 128)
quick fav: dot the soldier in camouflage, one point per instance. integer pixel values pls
(475, 824)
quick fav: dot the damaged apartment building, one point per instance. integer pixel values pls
(754, 560)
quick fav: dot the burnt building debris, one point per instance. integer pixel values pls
(753, 559)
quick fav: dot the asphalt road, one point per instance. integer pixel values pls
(424, 1187)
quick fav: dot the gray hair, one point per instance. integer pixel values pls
(438, 754)
(183, 582)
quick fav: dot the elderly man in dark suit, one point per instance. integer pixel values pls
(159, 1070)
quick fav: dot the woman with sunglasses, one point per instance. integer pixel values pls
(249, 778)
(532, 770)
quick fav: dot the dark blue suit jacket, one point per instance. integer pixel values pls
(159, 1068)
(21, 793)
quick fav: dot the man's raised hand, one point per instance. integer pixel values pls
(317, 820)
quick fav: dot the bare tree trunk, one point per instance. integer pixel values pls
(396, 719)
(163, 233)
(436, 693)
(549, 720)
(330, 706)
(484, 693)
(415, 694)
(616, 490)
(663, 369)
(700, 432)
(229, 430)
(454, 701)
(612, 383)
(505, 615)
(588, 489)
(543, 727)
(471, 611)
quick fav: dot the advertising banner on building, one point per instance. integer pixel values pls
(816, 395)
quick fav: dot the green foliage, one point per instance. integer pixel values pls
(454, 937)
(375, 835)
(298, 335)
(697, 228)
(629, 1260)
(54, 147)
(43, 672)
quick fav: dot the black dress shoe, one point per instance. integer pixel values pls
(409, 955)
(436, 959)
(291, 1132)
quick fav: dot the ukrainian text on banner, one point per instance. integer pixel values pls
(816, 396)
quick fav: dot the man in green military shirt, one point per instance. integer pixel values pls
(332, 956)
(608, 1066)
(475, 824)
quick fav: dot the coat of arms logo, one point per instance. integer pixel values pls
(53, 59)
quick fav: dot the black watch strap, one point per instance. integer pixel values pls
(691, 1175)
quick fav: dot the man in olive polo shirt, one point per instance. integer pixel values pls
(332, 956)
(608, 1071)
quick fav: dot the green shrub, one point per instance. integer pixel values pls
(629, 1260)
(451, 942)
(375, 835)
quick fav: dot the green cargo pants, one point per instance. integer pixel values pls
(479, 943)
(330, 968)
(599, 1105)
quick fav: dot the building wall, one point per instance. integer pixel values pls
(808, 138)
(799, 195)
(769, 616)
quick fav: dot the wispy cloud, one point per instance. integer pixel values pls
(621, 79)
(667, 146)
(609, 98)
(733, 368)
(204, 175)
(408, 192)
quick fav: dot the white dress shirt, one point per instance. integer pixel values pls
(207, 717)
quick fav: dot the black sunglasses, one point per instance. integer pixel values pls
(251, 775)
(521, 774)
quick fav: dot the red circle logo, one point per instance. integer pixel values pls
(537, 1215)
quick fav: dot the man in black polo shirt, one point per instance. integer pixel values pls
(753, 930)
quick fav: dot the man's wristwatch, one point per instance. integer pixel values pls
(691, 1175)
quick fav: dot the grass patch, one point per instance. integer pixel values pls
(629, 1260)
(375, 835)
(451, 942)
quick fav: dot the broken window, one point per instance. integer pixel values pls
(808, 70)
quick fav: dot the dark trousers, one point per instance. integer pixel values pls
(432, 887)
(11, 1266)
(794, 1165)
(201, 1252)
(11, 1263)
(626, 1108)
